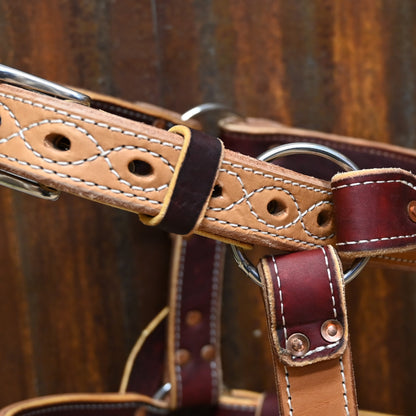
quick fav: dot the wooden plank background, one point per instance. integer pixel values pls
(78, 281)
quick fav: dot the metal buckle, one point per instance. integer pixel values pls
(31, 82)
(292, 149)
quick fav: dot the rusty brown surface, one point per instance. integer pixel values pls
(79, 281)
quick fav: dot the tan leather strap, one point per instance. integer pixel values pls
(306, 315)
(252, 135)
(103, 146)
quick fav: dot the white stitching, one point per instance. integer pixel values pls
(374, 240)
(282, 313)
(317, 349)
(328, 271)
(344, 387)
(409, 184)
(247, 196)
(151, 140)
(256, 230)
(289, 395)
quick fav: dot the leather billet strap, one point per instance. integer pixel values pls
(306, 314)
(103, 146)
(194, 329)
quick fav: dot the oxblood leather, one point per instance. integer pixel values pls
(301, 292)
(194, 322)
(254, 135)
(386, 193)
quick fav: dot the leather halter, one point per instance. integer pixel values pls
(108, 156)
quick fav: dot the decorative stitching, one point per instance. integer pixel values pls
(179, 288)
(328, 271)
(317, 349)
(289, 395)
(213, 317)
(102, 153)
(282, 313)
(150, 140)
(256, 230)
(374, 240)
(344, 387)
(403, 182)
(247, 196)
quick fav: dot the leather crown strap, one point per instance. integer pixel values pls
(115, 160)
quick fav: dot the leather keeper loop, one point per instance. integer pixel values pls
(191, 185)
(372, 213)
(304, 296)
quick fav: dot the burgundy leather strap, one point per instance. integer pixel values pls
(375, 211)
(194, 322)
(305, 307)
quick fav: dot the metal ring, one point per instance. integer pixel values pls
(293, 149)
(207, 108)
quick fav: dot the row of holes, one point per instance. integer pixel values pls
(142, 168)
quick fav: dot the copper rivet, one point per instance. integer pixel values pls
(332, 330)
(298, 344)
(208, 352)
(182, 357)
(193, 318)
(411, 209)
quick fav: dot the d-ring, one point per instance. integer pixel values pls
(293, 149)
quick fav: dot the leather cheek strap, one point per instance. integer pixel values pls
(305, 308)
(191, 185)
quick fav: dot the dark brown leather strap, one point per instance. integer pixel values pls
(193, 350)
(305, 307)
(192, 183)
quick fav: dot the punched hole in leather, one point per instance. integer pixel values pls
(192, 183)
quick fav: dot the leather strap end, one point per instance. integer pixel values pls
(305, 304)
(192, 183)
(375, 211)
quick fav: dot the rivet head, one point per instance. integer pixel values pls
(411, 209)
(182, 356)
(332, 330)
(193, 318)
(298, 344)
(208, 352)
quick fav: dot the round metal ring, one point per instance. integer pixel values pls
(207, 108)
(293, 149)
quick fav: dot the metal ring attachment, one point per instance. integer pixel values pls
(293, 149)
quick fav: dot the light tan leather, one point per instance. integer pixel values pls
(103, 145)
(325, 388)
